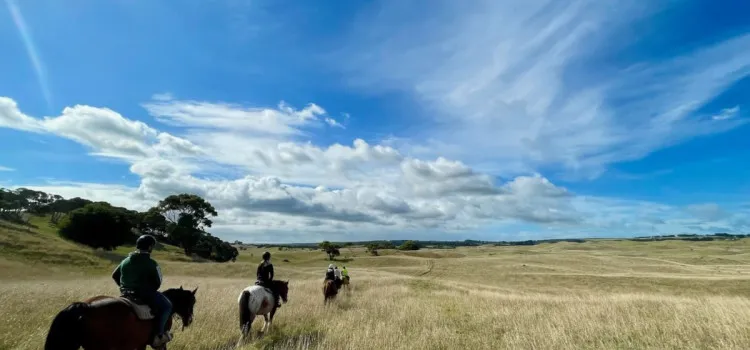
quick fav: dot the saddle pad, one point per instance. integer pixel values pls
(142, 312)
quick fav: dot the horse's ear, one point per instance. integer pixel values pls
(181, 288)
(195, 290)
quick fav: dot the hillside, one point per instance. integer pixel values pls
(594, 295)
(38, 247)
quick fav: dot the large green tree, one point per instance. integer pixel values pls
(152, 222)
(187, 216)
(98, 225)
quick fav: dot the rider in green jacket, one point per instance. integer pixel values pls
(139, 275)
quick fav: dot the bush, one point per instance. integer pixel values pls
(409, 245)
(98, 225)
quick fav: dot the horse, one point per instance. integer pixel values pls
(330, 289)
(257, 300)
(114, 323)
(345, 281)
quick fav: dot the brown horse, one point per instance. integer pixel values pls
(104, 322)
(345, 282)
(330, 289)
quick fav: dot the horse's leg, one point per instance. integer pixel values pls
(270, 318)
(266, 324)
(247, 326)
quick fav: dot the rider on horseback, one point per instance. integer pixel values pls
(330, 274)
(337, 273)
(344, 273)
(265, 276)
(140, 276)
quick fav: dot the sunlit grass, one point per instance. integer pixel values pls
(596, 295)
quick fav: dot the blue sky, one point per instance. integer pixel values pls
(387, 119)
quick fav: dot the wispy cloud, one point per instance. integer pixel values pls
(536, 84)
(2, 168)
(165, 96)
(727, 113)
(31, 50)
(332, 122)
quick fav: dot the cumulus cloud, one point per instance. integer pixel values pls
(332, 187)
(290, 186)
(103, 130)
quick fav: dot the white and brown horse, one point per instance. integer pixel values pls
(257, 300)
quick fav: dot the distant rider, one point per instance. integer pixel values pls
(337, 273)
(140, 276)
(264, 276)
(344, 273)
(330, 274)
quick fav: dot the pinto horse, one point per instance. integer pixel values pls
(330, 290)
(257, 300)
(110, 323)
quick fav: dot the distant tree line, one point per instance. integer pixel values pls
(374, 246)
(179, 220)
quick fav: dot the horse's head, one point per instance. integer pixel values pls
(282, 287)
(183, 301)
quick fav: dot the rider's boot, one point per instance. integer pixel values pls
(161, 339)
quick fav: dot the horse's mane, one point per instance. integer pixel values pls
(179, 295)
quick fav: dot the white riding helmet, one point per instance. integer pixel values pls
(330, 266)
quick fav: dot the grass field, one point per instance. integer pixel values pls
(597, 295)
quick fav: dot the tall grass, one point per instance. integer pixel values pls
(387, 312)
(598, 295)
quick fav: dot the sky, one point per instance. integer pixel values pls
(356, 120)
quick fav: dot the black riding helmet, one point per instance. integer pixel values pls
(145, 242)
(266, 256)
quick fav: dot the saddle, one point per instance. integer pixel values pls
(139, 307)
(267, 289)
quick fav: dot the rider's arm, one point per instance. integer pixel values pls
(156, 276)
(270, 271)
(116, 275)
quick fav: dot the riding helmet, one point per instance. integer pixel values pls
(145, 242)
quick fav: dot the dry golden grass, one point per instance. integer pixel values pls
(599, 295)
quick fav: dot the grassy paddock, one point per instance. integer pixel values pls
(595, 295)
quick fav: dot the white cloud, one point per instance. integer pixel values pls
(166, 96)
(508, 88)
(372, 185)
(727, 113)
(3, 168)
(332, 122)
(526, 82)
(297, 187)
(284, 120)
(103, 130)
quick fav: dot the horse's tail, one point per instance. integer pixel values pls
(65, 333)
(244, 308)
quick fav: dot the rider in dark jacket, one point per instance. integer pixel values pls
(264, 276)
(330, 273)
(139, 275)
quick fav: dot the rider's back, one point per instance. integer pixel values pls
(139, 273)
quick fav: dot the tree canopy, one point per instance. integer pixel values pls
(98, 225)
(331, 249)
(179, 219)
